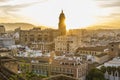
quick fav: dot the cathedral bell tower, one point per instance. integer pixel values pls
(61, 25)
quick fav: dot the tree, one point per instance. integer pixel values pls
(33, 76)
(103, 69)
(113, 69)
(29, 75)
(118, 69)
(95, 74)
(109, 69)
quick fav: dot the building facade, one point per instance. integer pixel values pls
(71, 66)
(67, 43)
(114, 49)
(6, 41)
(38, 39)
(2, 29)
(49, 66)
(91, 50)
(43, 39)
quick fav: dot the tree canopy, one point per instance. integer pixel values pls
(95, 74)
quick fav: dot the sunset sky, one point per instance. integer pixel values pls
(79, 13)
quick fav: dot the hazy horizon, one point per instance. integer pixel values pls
(79, 13)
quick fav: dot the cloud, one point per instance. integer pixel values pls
(112, 15)
(10, 9)
(109, 3)
(115, 15)
(4, 0)
(114, 4)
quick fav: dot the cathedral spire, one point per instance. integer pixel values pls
(62, 11)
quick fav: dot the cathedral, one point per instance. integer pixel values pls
(40, 39)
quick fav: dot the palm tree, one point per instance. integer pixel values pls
(118, 69)
(103, 69)
(109, 70)
(113, 69)
(95, 74)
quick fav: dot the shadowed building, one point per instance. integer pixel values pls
(114, 49)
(2, 29)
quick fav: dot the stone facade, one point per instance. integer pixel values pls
(71, 66)
(67, 43)
(38, 39)
(91, 50)
(43, 39)
(49, 66)
(2, 29)
(114, 49)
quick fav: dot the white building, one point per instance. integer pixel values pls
(6, 41)
(115, 62)
(114, 75)
(67, 43)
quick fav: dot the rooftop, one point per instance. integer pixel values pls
(60, 77)
(115, 62)
(97, 48)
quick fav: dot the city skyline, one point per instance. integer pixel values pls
(79, 13)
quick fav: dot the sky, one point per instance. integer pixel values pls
(79, 13)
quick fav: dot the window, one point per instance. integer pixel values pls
(31, 39)
(33, 66)
(39, 39)
(112, 45)
(25, 39)
(112, 49)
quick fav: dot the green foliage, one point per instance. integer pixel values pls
(109, 69)
(103, 69)
(33, 76)
(29, 75)
(118, 69)
(113, 69)
(13, 77)
(95, 74)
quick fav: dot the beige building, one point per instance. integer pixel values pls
(43, 39)
(91, 50)
(38, 39)
(71, 66)
(114, 49)
(67, 43)
(2, 29)
(101, 58)
(49, 66)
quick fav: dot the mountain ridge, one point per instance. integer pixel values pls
(23, 26)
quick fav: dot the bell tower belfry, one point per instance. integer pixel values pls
(61, 25)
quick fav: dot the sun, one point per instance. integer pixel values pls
(79, 13)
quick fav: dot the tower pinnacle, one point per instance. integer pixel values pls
(62, 26)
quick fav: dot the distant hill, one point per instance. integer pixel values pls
(24, 26)
(103, 27)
